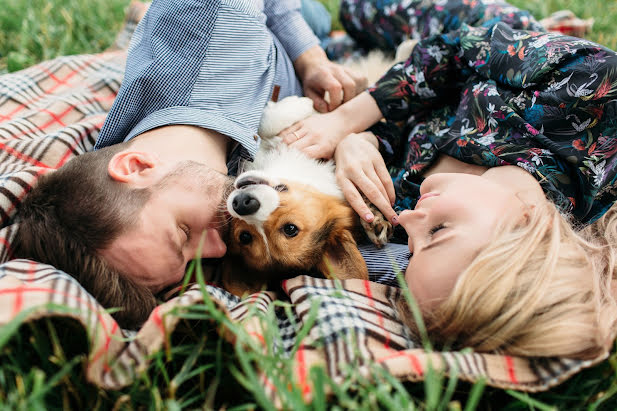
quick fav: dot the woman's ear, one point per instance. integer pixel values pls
(133, 167)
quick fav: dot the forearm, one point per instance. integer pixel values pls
(314, 55)
(359, 113)
(287, 24)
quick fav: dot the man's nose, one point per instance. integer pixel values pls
(207, 245)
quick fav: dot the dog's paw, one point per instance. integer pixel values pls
(282, 114)
(379, 230)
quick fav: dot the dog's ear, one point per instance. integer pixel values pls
(342, 260)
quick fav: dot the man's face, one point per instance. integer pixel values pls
(186, 205)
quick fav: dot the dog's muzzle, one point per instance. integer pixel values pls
(253, 198)
(245, 204)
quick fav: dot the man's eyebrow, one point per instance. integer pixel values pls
(175, 246)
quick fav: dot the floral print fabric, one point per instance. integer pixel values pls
(496, 96)
(384, 24)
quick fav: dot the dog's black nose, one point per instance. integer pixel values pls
(245, 204)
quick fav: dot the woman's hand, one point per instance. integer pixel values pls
(317, 136)
(361, 169)
(319, 75)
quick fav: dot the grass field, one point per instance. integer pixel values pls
(38, 372)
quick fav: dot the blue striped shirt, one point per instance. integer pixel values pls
(208, 63)
(384, 264)
(214, 64)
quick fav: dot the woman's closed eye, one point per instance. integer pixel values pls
(436, 229)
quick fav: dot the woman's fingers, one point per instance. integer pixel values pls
(371, 191)
(374, 178)
(292, 133)
(355, 200)
(302, 143)
(386, 180)
(375, 196)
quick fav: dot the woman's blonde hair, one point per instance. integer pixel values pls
(540, 289)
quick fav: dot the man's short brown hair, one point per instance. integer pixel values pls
(74, 212)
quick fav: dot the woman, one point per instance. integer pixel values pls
(501, 260)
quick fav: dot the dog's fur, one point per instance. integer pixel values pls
(289, 216)
(302, 224)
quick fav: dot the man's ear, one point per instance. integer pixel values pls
(134, 167)
(342, 260)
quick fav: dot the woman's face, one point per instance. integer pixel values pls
(455, 218)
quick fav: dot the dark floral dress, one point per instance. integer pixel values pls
(493, 95)
(384, 24)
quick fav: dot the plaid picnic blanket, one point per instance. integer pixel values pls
(52, 112)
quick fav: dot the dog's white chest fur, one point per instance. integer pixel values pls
(276, 160)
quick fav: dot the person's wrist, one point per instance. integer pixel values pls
(370, 138)
(313, 55)
(340, 147)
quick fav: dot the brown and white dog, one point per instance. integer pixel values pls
(288, 215)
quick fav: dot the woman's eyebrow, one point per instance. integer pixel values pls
(443, 239)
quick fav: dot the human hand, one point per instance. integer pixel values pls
(319, 75)
(361, 169)
(317, 136)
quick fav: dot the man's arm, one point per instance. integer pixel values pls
(317, 74)
(285, 21)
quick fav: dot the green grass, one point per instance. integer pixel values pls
(42, 364)
(42, 367)
(36, 30)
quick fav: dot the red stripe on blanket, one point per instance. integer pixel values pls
(7, 245)
(55, 118)
(63, 81)
(306, 389)
(24, 157)
(415, 363)
(105, 346)
(260, 337)
(158, 320)
(101, 320)
(510, 366)
(4, 117)
(369, 294)
(19, 301)
(46, 93)
(69, 153)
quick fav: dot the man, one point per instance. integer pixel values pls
(126, 219)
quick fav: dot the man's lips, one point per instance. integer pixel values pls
(425, 196)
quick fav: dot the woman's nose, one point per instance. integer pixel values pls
(412, 221)
(410, 216)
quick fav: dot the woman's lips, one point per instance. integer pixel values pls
(425, 196)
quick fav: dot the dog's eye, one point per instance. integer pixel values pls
(245, 237)
(290, 230)
(281, 187)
